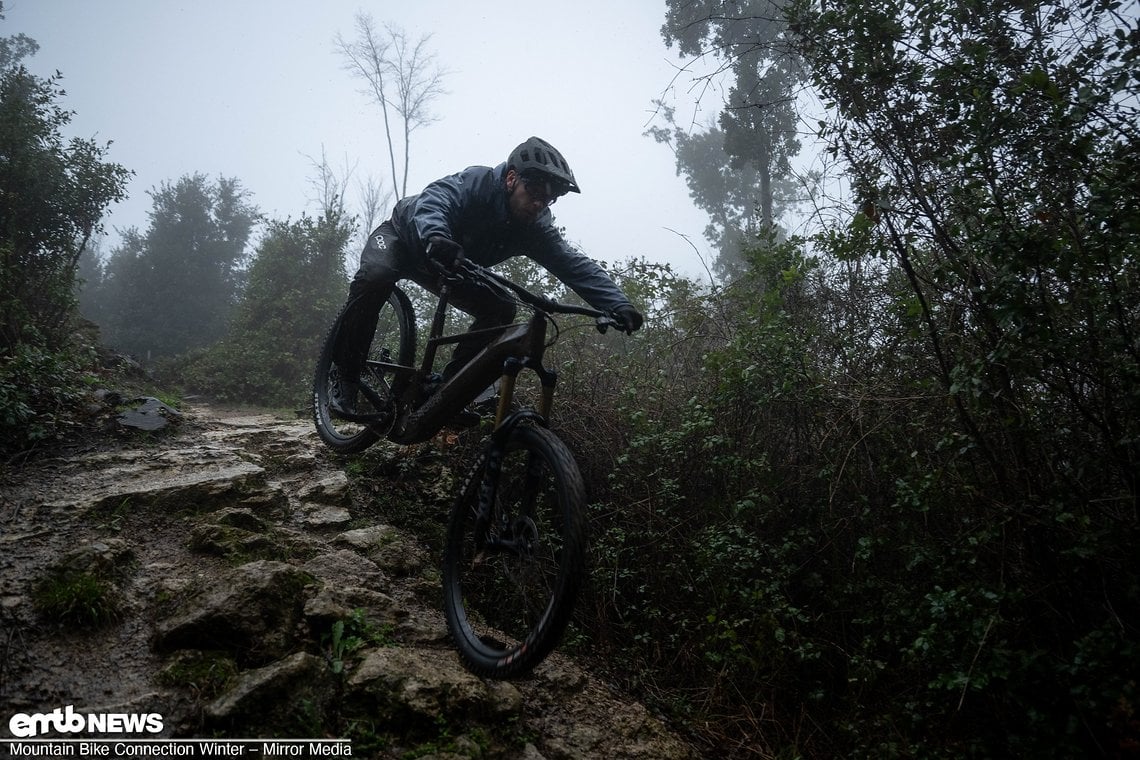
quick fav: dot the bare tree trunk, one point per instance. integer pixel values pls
(415, 76)
(367, 59)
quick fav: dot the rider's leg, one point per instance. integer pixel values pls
(380, 268)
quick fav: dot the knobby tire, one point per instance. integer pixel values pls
(507, 610)
(394, 341)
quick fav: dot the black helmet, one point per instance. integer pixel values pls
(538, 158)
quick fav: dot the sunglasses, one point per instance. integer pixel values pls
(540, 191)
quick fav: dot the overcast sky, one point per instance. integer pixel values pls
(250, 88)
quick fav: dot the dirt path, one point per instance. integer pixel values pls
(166, 521)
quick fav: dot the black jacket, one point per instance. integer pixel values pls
(471, 208)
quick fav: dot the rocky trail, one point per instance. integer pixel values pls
(226, 575)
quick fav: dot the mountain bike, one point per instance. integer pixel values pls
(515, 549)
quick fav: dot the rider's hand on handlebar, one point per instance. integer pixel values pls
(444, 251)
(628, 318)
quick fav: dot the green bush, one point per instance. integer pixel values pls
(53, 192)
(790, 519)
(42, 395)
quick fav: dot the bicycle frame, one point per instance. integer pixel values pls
(518, 346)
(518, 529)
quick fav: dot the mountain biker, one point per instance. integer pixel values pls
(488, 215)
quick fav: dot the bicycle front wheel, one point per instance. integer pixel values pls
(510, 581)
(393, 342)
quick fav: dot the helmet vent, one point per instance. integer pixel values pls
(537, 155)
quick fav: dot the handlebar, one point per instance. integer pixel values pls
(466, 269)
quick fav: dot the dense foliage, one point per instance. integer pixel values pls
(295, 285)
(52, 194)
(174, 287)
(888, 507)
(878, 496)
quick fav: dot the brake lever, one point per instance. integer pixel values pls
(458, 272)
(605, 322)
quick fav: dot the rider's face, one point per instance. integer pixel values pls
(527, 200)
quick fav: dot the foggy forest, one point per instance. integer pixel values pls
(868, 487)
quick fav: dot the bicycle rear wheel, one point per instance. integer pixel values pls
(510, 585)
(393, 342)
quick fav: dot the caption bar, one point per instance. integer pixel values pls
(84, 749)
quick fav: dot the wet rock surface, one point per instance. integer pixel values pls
(229, 580)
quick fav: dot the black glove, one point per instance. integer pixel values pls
(444, 251)
(629, 318)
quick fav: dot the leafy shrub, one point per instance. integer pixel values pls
(42, 394)
(793, 521)
(54, 193)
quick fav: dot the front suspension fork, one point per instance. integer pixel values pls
(548, 379)
(505, 422)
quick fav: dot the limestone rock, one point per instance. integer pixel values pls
(232, 651)
(333, 603)
(387, 547)
(253, 613)
(327, 518)
(241, 518)
(422, 686)
(345, 568)
(106, 558)
(195, 479)
(331, 489)
(276, 700)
